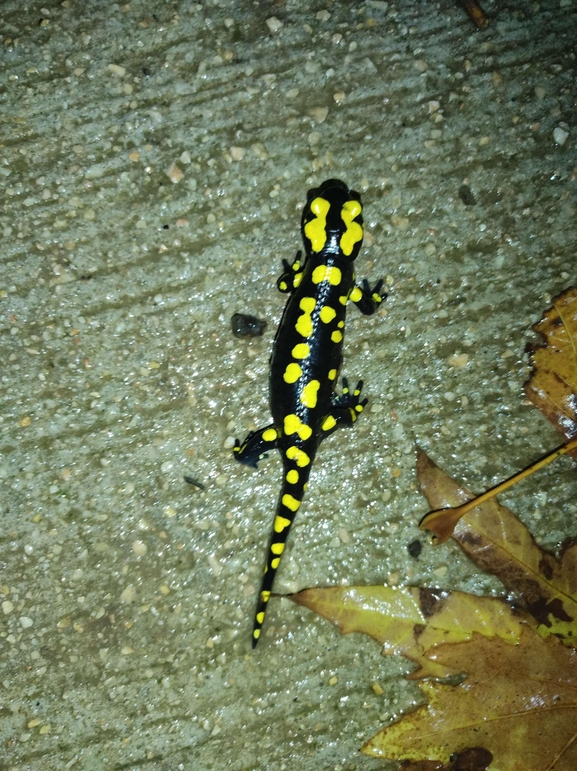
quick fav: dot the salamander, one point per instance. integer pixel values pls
(307, 356)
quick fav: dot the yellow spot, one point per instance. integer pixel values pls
(359, 407)
(296, 265)
(277, 548)
(269, 435)
(327, 314)
(292, 476)
(280, 523)
(354, 232)
(260, 617)
(282, 285)
(353, 414)
(309, 393)
(265, 596)
(304, 325)
(316, 229)
(294, 425)
(343, 299)
(356, 294)
(336, 337)
(332, 374)
(328, 423)
(327, 273)
(290, 502)
(297, 279)
(377, 297)
(341, 324)
(301, 351)
(275, 563)
(300, 457)
(256, 634)
(292, 373)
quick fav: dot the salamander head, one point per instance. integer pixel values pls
(332, 220)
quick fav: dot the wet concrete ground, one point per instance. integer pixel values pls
(153, 169)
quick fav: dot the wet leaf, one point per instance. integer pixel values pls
(499, 543)
(553, 385)
(410, 620)
(518, 703)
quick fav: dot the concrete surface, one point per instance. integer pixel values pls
(153, 168)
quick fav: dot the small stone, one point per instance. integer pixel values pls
(237, 153)
(26, 622)
(175, 174)
(560, 135)
(116, 69)
(7, 607)
(274, 24)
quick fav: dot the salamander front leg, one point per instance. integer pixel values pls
(346, 408)
(292, 274)
(256, 445)
(366, 299)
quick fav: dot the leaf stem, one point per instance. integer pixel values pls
(441, 522)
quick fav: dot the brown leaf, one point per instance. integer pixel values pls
(471, 759)
(518, 703)
(553, 385)
(499, 543)
(411, 620)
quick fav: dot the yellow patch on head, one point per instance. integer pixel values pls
(328, 423)
(304, 324)
(309, 393)
(260, 617)
(327, 273)
(292, 373)
(290, 502)
(316, 229)
(332, 374)
(292, 476)
(280, 523)
(269, 435)
(282, 285)
(336, 336)
(300, 457)
(277, 548)
(354, 232)
(356, 294)
(301, 351)
(327, 314)
(298, 277)
(275, 563)
(294, 425)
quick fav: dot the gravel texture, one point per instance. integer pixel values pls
(152, 169)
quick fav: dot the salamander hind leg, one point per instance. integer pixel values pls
(346, 408)
(366, 299)
(256, 445)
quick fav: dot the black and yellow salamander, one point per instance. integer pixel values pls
(307, 355)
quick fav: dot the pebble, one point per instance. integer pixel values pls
(274, 24)
(560, 135)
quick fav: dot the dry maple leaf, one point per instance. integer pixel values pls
(499, 543)
(553, 385)
(519, 702)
